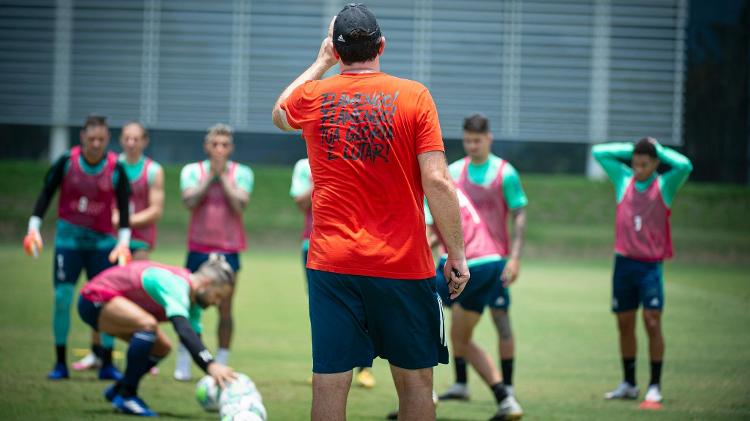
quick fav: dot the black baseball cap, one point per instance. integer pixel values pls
(354, 24)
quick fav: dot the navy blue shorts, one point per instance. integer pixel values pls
(637, 283)
(196, 259)
(89, 312)
(69, 263)
(485, 288)
(354, 319)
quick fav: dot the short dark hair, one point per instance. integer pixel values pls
(477, 123)
(645, 146)
(95, 120)
(364, 48)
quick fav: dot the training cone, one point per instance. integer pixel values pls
(653, 406)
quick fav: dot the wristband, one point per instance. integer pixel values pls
(123, 236)
(35, 223)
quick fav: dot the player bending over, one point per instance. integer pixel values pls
(642, 242)
(130, 301)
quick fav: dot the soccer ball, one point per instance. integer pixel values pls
(207, 393)
(240, 400)
(244, 416)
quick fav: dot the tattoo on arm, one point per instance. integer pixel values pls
(519, 228)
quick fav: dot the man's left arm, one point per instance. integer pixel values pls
(516, 199)
(237, 189)
(680, 169)
(155, 207)
(121, 252)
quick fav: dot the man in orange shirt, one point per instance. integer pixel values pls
(375, 150)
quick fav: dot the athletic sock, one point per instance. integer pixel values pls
(628, 367)
(498, 389)
(153, 361)
(461, 374)
(97, 350)
(60, 351)
(506, 365)
(222, 356)
(106, 356)
(138, 363)
(655, 373)
(126, 390)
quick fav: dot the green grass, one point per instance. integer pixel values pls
(566, 339)
(567, 215)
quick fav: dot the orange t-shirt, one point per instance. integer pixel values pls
(363, 134)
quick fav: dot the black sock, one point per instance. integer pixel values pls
(127, 390)
(628, 367)
(499, 391)
(106, 356)
(153, 361)
(97, 350)
(506, 365)
(461, 374)
(60, 353)
(138, 361)
(655, 372)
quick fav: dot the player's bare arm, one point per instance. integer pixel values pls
(192, 196)
(441, 198)
(236, 197)
(325, 60)
(510, 273)
(304, 201)
(153, 212)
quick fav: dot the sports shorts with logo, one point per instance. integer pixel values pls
(635, 283)
(485, 288)
(354, 319)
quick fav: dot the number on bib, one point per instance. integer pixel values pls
(83, 204)
(637, 223)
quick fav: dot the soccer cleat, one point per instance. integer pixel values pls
(365, 379)
(110, 392)
(132, 405)
(624, 391)
(182, 376)
(456, 391)
(89, 362)
(508, 409)
(653, 394)
(110, 372)
(154, 371)
(59, 372)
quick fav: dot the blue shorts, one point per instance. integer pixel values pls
(196, 259)
(89, 312)
(354, 319)
(485, 288)
(635, 283)
(69, 263)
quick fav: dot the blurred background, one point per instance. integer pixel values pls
(553, 76)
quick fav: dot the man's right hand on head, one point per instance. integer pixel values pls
(32, 243)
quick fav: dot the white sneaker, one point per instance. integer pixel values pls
(89, 362)
(456, 391)
(653, 394)
(182, 366)
(623, 391)
(507, 410)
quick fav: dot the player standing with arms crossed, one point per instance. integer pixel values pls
(146, 189)
(375, 150)
(91, 183)
(642, 243)
(216, 191)
(301, 192)
(493, 187)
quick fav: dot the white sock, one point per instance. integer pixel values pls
(222, 356)
(183, 360)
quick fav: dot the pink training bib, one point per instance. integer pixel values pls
(126, 281)
(478, 241)
(490, 204)
(139, 201)
(87, 200)
(642, 229)
(214, 225)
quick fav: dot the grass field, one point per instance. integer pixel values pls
(567, 351)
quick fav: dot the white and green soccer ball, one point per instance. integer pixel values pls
(240, 400)
(207, 393)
